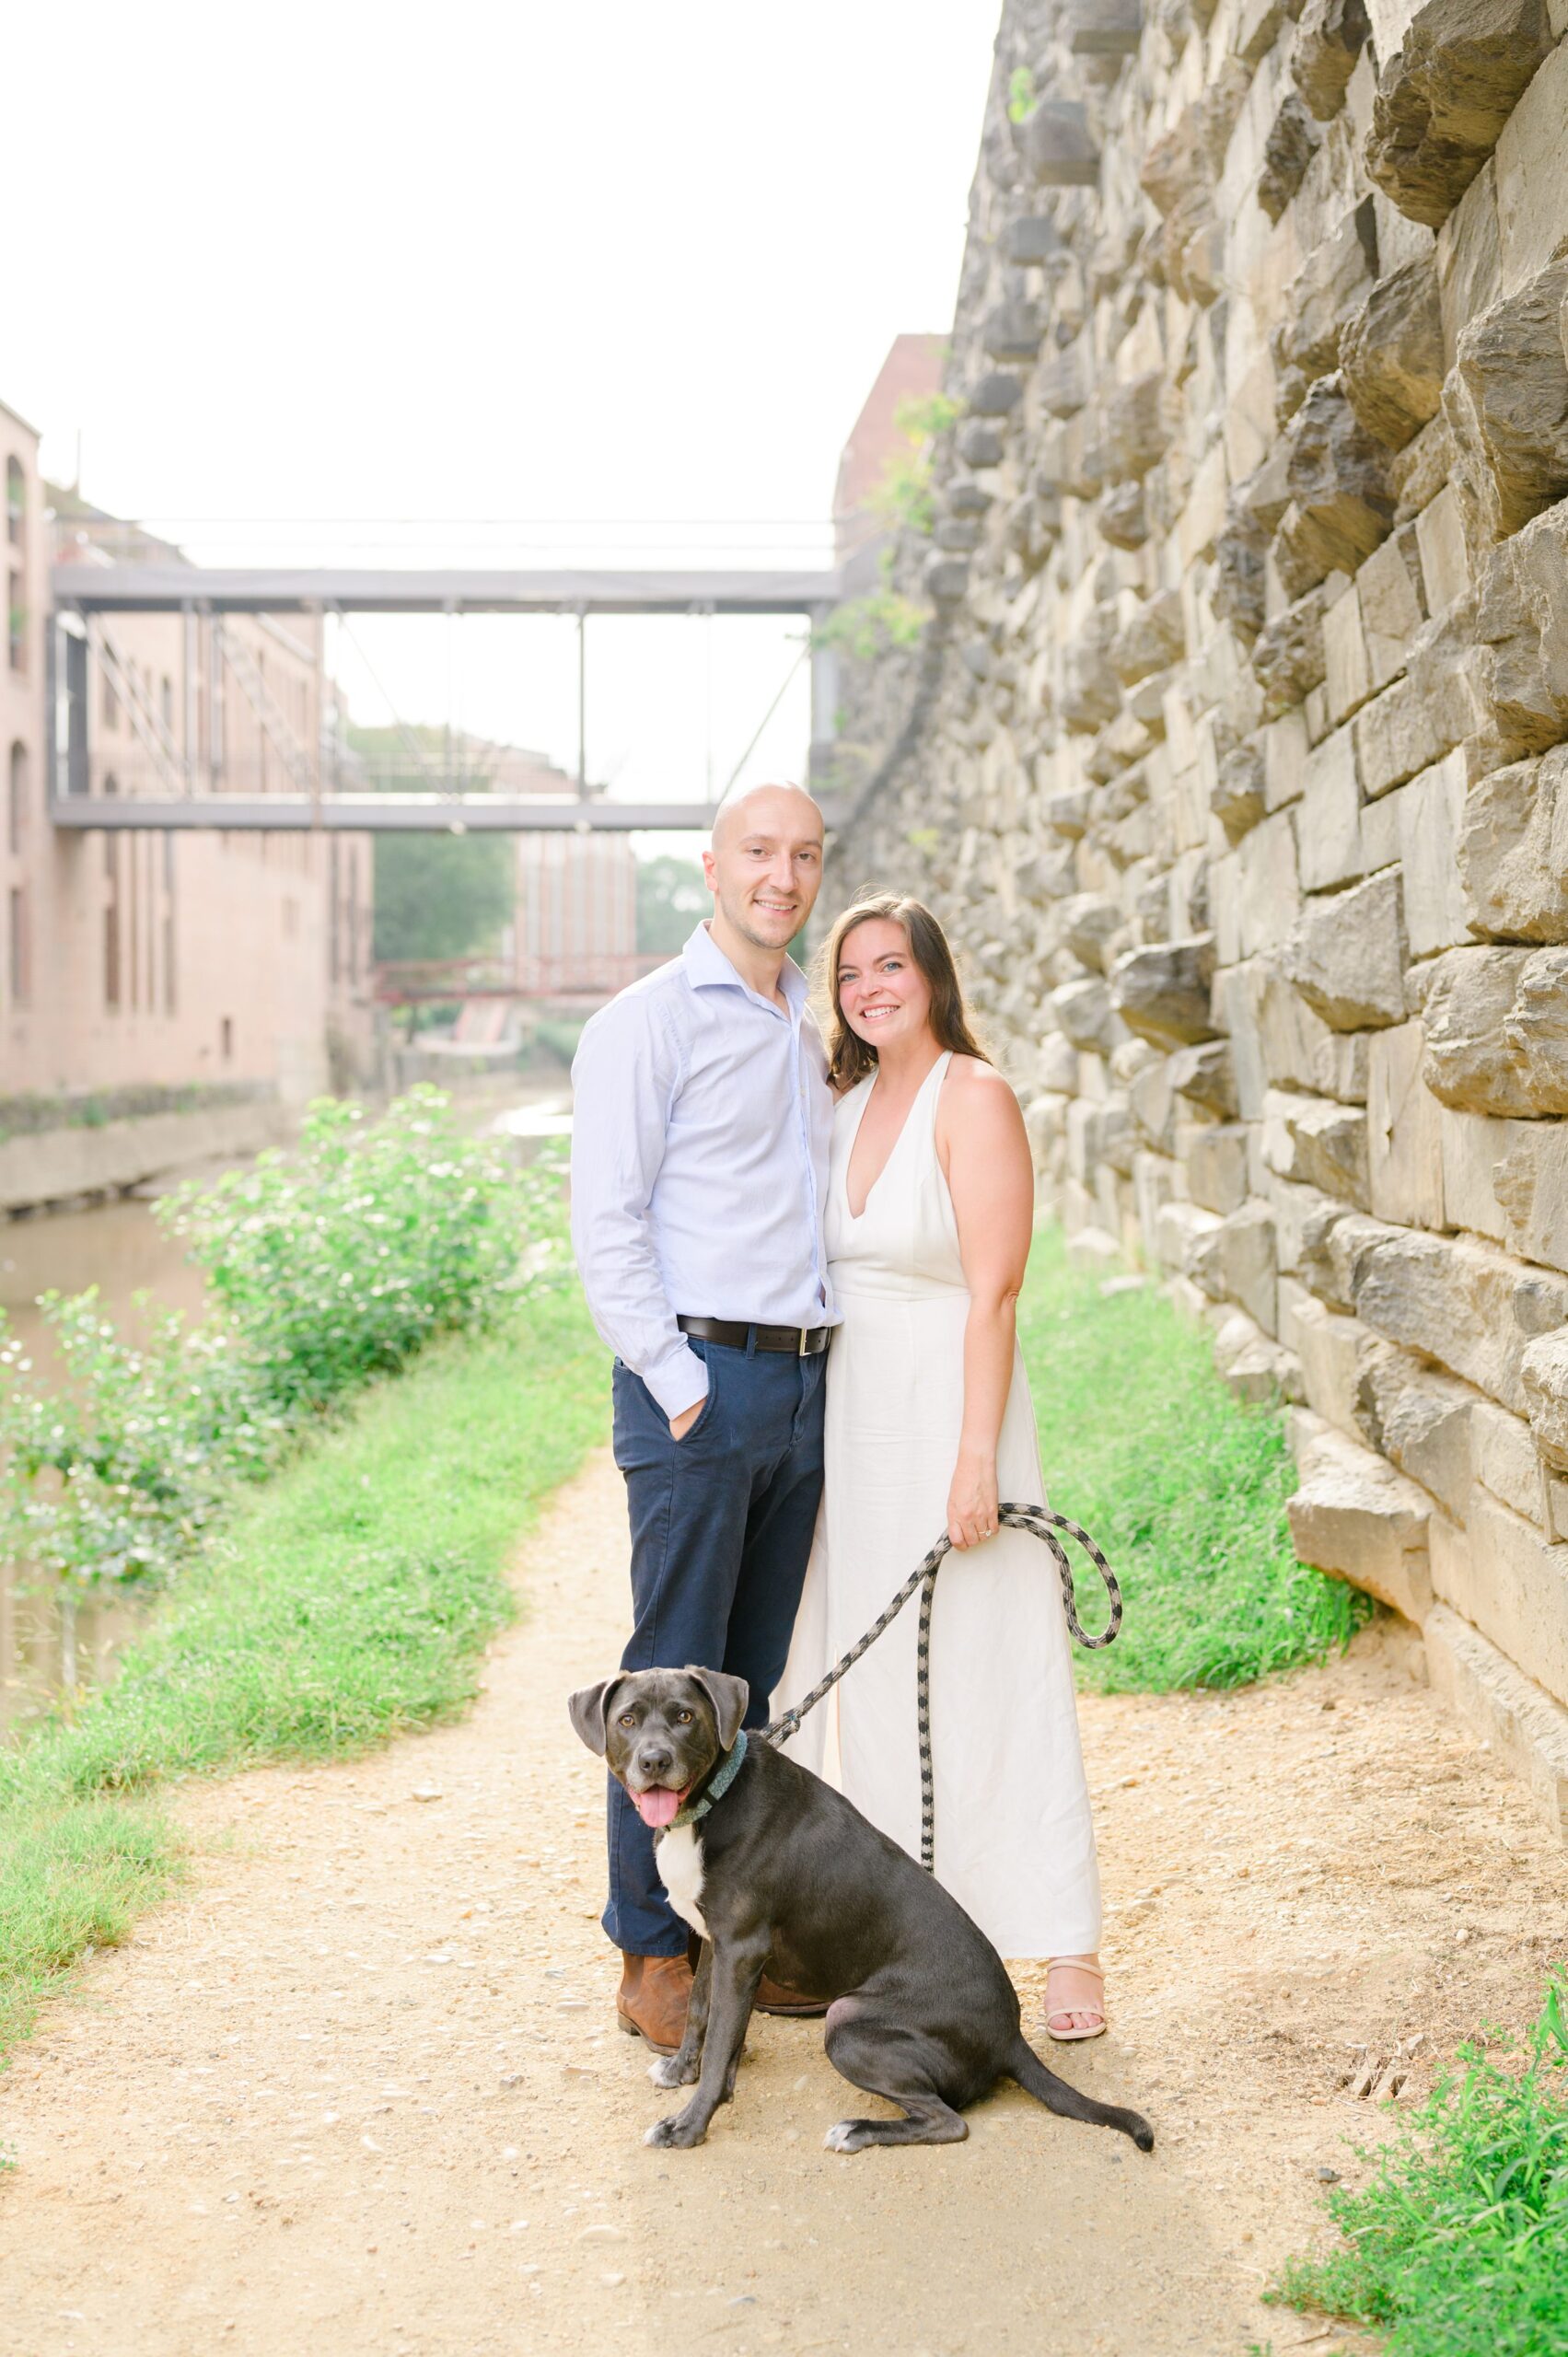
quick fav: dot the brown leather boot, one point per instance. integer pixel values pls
(652, 2001)
(772, 1997)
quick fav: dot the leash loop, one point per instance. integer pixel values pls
(1040, 1523)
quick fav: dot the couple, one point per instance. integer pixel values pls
(740, 1199)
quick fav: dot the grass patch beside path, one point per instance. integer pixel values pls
(346, 1602)
(1182, 1486)
(1458, 2241)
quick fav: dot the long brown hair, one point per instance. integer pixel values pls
(850, 1057)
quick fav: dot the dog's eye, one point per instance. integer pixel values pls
(628, 1718)
(683, 1718)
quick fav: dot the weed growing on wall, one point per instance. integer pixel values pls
(328, 1265)
(1459, 2240)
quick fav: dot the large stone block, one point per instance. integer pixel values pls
(1521, 629)
(1419, 1419)
(1331, 1348)
(1513, 852)
(1346, 955)
(1469, 1305)
(1087, 921)
(1531, 165)
(1217, 1167)
(1341, 503)
(1503, 1452)
(1059, 145)
(1204, 1075)
(1397, 735)
(1289, 658)
(1234, 1260)
(1431, 816)
(1536, 1030)
(1544, 1375)
(1291, 144)
(1391, 356)
(1329, 35)
(1510, 1582)
(1329, 826)
(1507, 405)
(1404, 1138)
(1162, 993)
(1389, 592)
(1472, 1146)
(1495, 1698)
(1471, 1062)
(1352, 1514)
(1444, 96)
(1531, 1184)
(1314, 1143)
(1444, 553)
(1085, 1015)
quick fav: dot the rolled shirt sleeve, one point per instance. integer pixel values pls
(625, 1077)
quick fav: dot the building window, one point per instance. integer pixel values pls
(111, 910)
(16, 504)
(16, 799)
(19, 976)
(16, 622)
(226, 1037)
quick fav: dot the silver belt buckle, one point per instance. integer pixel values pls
(805, 1334)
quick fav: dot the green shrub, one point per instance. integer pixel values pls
(1182, 1486)
(328, 1265)
(1458, 2242)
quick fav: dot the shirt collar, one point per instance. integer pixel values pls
(707, 967)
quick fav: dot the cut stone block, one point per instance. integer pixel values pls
(1544, 1370)
(1445, 555)
(1346, 956)
(1531, 1184)
(1179, 1229)
(1084, 1013)
(1513, 852)
(1495, 1698)
(1507, 405)
(1059, 145)
(1509, 1581)
(1162, 993)
(1472, 1146)
(1330, 1347)
(1329, 822)
(1404, 1139)
(1418, 1418)
(1503, 1452)
(1205, 1075)
(1536, 1030)
(1329, 35)
(1470, 1062)
(1432, 813)
(1469, 1305)
(1234, 1260)
(1397, 735)
(1521, 633)
(1353, 1514)
(1289, 658)
(997, 394)
(1391, 356)
(1342, 505)
(1217, 1167)
(1316, 1143)
(1106, 27)
(1292, 142)
(1446, 95)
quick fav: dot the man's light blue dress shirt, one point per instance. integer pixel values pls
(700, 1136)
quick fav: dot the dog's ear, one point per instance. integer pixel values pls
(589, 1709)
(729, 1696)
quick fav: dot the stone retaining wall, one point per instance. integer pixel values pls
(64, 1165)
(1240, 757)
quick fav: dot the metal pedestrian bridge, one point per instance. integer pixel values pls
(92, 602)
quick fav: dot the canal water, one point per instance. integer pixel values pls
(54, 1638)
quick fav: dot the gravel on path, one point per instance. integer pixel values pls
(358, 2089)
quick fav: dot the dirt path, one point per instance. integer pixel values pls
(358, 2090)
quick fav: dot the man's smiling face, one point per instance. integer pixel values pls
(765, 866)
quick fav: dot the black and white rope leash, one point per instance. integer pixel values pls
(1041, 1524)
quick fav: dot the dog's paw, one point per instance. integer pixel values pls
(844, 2136)
(670, 2072)
(675, 2133)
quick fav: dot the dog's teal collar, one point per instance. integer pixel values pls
(728, 1771)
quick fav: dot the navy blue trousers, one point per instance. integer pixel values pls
(721, 1534)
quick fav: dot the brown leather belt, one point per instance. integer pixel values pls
(801, 1341)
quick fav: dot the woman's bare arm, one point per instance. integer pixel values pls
(990, 1170)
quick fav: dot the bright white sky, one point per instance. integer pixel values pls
(586, 266)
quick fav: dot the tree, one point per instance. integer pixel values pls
(441, 896)
(671, 896)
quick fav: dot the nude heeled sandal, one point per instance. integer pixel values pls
(1061, 2013)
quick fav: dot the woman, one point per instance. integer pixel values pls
(928, 1223)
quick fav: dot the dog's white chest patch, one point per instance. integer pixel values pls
(680, 1870)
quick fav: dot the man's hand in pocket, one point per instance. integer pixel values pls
(680, 1425)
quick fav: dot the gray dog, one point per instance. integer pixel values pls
(776, 1870)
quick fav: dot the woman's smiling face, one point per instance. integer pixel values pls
(882, 992)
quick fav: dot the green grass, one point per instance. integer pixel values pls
(346, 1601)
(1183, 1488)
(1457, 2244)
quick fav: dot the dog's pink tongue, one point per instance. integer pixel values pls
(656, 1807)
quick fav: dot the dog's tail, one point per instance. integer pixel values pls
(1057, 2096)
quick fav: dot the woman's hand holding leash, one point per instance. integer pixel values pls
(972, 1501)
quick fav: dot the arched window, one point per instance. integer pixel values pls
(16, 799)
(15, 503)
(16, 575)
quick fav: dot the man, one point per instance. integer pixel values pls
(699, 1173)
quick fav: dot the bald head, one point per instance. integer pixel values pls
(763, 868)
(776, 810)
